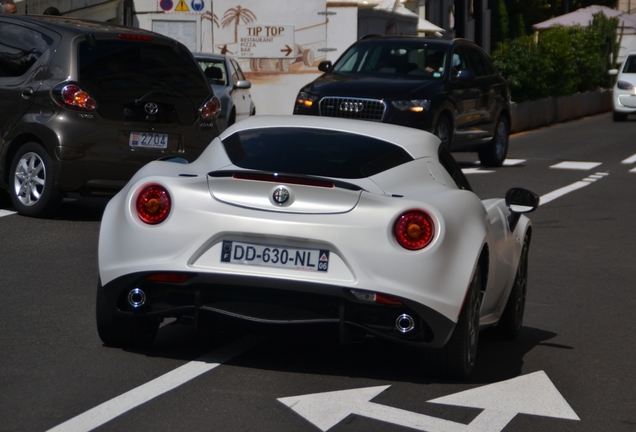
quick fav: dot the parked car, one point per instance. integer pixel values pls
(229, 83)
(366, 228)
(624, 90)
(448, 87)
(84, 105)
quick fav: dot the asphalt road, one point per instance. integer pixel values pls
(572, 368)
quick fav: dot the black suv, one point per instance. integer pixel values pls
(448, 87)
(83, 105)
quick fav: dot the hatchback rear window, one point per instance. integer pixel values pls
(312, 151)
(114, 65)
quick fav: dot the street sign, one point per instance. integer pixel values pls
(266, 41)
(529, 394)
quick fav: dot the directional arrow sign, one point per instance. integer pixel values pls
(530, 394)
(287, 50)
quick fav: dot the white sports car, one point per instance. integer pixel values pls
(293, 220)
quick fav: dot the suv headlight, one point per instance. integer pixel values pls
(415, 105)
(306, 99)
(624, 85)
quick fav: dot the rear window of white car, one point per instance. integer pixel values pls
(310, 151)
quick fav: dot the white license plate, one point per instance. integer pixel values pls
(275, 256)
(148, 140)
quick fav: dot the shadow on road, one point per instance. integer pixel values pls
(318, 354)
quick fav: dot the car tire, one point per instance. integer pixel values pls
(512, 318)
(444, 131)
(456, 360)
(619, 117)
(495, 153)
(32, 182)
(118, 331)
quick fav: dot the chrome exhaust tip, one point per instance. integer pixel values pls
(404, 323)
(136, 298)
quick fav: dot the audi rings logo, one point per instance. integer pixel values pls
(280, 195)
(354, 107)
(151, 108)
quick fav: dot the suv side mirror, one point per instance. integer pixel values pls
(324, 66)
(612, 72)
(518, 201)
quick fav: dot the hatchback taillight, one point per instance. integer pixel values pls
(73, 96)
(414, 229)
(153, 204)
(210, 109)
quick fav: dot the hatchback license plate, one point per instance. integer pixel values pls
(275, 256)
(148, 140)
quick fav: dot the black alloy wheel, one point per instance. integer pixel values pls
(495, 153)
(512, 318)
(444, 131)
(456, 360)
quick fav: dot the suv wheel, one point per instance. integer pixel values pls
(32, 184)
(495, 154)
(443, 131)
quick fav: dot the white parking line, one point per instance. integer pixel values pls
(551, 196)
(583, 166)
(113, 408)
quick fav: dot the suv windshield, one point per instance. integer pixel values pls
(313, 152)
(405, 59)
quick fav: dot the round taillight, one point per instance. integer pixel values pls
(74, 97)
(211, 109)
(68, 94)
(153, 204)
(414, 229)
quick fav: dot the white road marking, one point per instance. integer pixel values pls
(583, 166)
(513, 162)
(531, 394)
(115, 407)
(629, 160)
(633, 170)
(475, 171)
(6, 213)
(570, 188)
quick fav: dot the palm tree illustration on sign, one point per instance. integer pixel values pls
(234, 16)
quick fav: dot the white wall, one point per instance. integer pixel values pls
(275, 81)
(193, 27)
(342, 28)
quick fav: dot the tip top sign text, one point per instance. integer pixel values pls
(266, 41)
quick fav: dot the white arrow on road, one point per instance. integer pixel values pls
(529, 394)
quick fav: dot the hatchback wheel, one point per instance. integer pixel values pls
(32, 182)
(495, 154)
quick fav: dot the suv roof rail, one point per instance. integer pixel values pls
(371, 36)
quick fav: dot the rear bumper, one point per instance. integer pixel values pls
(275, 303)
